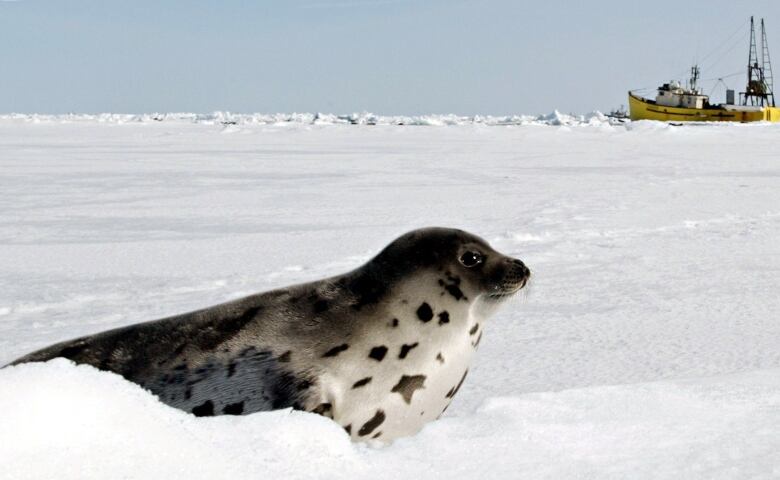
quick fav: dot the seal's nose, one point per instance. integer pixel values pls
(521, 268)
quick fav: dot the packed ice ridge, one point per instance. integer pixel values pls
(364, 118)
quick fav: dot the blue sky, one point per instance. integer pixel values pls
(341, 56)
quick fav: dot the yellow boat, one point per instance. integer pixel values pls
(644, 109)
(677, 103)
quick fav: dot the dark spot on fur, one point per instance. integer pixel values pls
(454, 290)
(395, 322)
(405, 349)
(178, 378)
(367, 289)
(371, 425)
(284, 391)
(323, 409)
(215, 332)
(407, 385)
(378, 353)
(234, 408)
(455, 389)
(270, 381)
(479, 337)
(321, 306)
(180, 367)
(444, 317)
(335, 350)
(425, 313)
(362, 382)
(205, 409)
(377, 435)
(474, 329)
(348, 429)
(188, 394)
(285, 357)
(72, 350)
(439, 357)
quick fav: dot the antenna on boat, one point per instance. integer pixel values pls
(693, 82)
(759, 86)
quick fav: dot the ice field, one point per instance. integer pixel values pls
(647, 345)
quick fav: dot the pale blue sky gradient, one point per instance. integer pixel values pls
(384, 56)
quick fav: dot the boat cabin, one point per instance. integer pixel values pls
(673, 94)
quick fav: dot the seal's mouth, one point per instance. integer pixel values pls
(514, 280)
(506, 292)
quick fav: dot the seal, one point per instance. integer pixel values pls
(381, 350)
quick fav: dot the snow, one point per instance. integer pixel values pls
(646, 346)
(76, 422)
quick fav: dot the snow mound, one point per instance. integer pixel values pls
(555, 118)
(65, 421)
(77, 422)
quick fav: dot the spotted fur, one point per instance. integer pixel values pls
(407, 385)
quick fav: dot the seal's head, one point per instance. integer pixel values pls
(470, 266)
(419, 309)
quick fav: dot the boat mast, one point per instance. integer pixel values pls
(766, 65)
(759, 87)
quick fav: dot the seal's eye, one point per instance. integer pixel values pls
(471, 259)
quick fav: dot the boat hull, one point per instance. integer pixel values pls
(643, 109)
